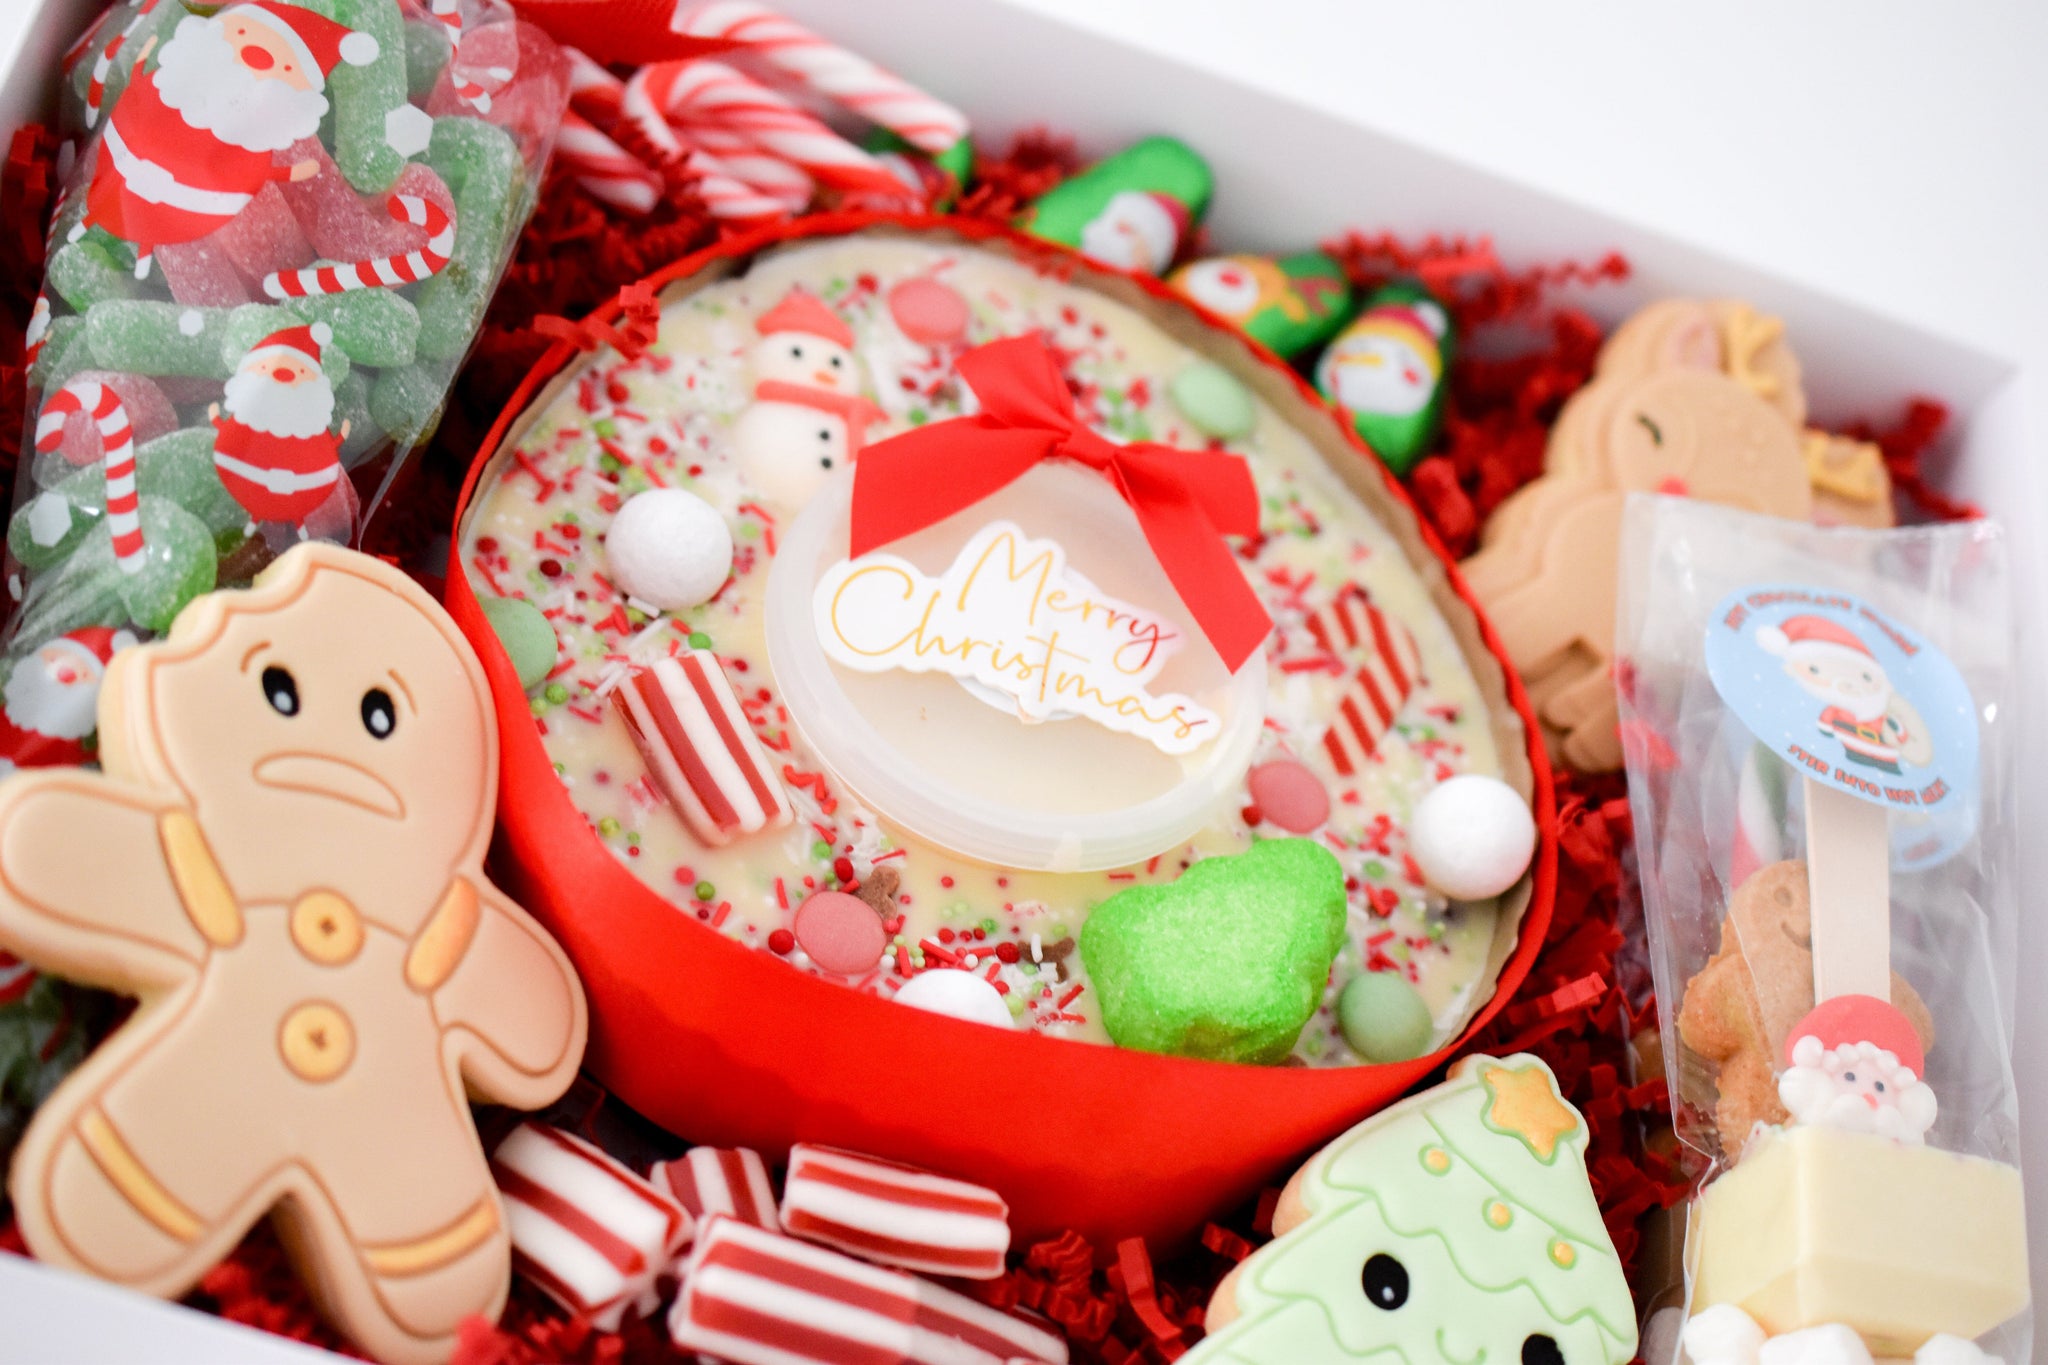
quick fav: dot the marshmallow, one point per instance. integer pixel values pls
(1722, 1335)
(1830, 1344)
(1473, 837)
(669, 548)
(948, 990)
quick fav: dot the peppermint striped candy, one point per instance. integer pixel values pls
(1388, 667)
(384, 271)
(926, 123)
(700, 748)
(109, 416)
(895, 1215)
(608, 171)
(591, 1234)
(757, 1298)
(732, 1181)
(786, 184)
(717, 94)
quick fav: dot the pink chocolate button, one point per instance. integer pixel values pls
(840, 932)
(1289, 795)
(930, 313)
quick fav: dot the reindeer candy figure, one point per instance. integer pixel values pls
(283, 860)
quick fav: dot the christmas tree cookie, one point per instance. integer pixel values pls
(1457, 1226)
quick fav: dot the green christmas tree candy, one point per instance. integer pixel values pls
(1386, 371)
(1457, 1226)
(1131, 210)
(1286, 305)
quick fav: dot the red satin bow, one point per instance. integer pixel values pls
(1186, 500)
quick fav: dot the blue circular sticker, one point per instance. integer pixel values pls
(1851, 698)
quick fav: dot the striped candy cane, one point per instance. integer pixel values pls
(470, 91)
(110, 417)
(747, 163)
(383, 271)
(594, 92)
(1388, 667)
(604, 168)
(96, 89)
(725, 195)
(715, 93)
(830, 70)
(38, 331)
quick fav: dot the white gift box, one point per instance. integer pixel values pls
(1918, 126)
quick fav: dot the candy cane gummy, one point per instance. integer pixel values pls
(847, 77)
(384, 271)
(605, 169)
(110, 417)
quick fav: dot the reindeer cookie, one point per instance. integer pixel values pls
(283, 860)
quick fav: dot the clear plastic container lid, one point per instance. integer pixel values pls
(959, 763)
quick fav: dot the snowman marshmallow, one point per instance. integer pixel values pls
(808, 419)
(1389, 361)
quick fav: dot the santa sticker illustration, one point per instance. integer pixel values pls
(1853, 698)
(52, 699)
(808, 418)
(272, 447)
(191, 142)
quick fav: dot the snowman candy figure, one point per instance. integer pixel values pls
(1386, 371)
(808, 418)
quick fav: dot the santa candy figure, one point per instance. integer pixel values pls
(1855, 1064)
(271, 446)
(1136, 230)
(1876, 726)
(191, 143)
(52, 699)
(808, 418)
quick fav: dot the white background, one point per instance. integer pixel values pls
(1887, 152)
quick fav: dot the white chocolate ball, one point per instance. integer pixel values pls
(669, 548)
(963, 995)
(1473, 837)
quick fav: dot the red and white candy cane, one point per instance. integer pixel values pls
(717, 94)
(774, 177)
(103, 65)
(38, 331)
(384, 271)
(594, 92)
(1387, 668)
(757, 1298)
(472, 92)
(601, 166)
(895, 1215)
(591, 1234)
(930, 125)
(109, 416)
(732, 1181)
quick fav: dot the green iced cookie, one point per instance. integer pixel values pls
(528, 639)
(1226, 963)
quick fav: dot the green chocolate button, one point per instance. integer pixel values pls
(1212, 398)
(526, 635)
(1383, 1017)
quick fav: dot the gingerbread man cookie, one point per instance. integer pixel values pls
(283, 861)
(1741, 1007)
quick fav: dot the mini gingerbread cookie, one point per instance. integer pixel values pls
(1746, 1002)
(283, 861)
(1458, 1225)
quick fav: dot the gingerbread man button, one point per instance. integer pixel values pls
(283, 861)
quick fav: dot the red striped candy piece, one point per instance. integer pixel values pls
(382, 272)
(895, 1215)
(700, 750)
(757, 1298)
(109, 416)
(1386, 667)
(732, 1181)
(591, 1234)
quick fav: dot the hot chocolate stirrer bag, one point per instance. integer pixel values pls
(1818, 729)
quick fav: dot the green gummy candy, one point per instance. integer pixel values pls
(46, 528)
(1386, 372)
(85, 272)
(483, 169)
(179, 563)
(528, 639)
(363, 95)
(406, 402)
(142, 336)
(352, 405)
(1229, 962)
(64, 354)
(1287, 305)
(252, 322)
(1214, 400)
(1158, 165)
(426, 51)
(178, 467)
(374, 327)
(1383, 1017)
(80, 591)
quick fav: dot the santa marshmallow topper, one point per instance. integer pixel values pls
(190, 144)
(1875, 726)
(272, 447)
(808, 418)
(1855, 1063)
(52, 699)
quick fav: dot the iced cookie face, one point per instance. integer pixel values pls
(691, 413)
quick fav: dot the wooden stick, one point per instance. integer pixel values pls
(1848, 871)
